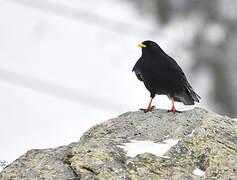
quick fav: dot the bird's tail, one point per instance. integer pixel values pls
(190, 96)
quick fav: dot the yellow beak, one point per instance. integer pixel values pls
(141, 45)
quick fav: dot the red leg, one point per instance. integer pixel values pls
(173, 108)
(149, 106)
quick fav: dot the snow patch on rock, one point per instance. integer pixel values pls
(199, 172)
(139, 147)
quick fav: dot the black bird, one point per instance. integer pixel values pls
(162, 75)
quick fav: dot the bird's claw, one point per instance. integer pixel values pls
(147, 110)
(174, 111)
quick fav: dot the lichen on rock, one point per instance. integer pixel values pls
(207, 143)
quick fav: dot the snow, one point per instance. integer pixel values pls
(139, 147)
(199, 172)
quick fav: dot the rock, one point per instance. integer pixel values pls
(207, 144)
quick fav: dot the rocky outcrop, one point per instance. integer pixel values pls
(207, 142)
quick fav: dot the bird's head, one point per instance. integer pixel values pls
(150, 47)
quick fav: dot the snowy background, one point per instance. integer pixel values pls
(66, 65)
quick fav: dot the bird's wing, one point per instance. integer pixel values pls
(175, 67)
(137, 71)
(139, 75)
(188, 87)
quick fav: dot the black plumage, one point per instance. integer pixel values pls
(162, 75)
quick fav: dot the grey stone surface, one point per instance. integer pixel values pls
(212, 148)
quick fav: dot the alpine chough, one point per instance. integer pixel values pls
(161, 74)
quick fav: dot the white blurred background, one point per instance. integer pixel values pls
(66, 65)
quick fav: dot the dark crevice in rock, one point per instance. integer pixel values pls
(66, 160)
(88, 169)
(204, 162)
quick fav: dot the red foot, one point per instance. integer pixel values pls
(173, 109)
(149, 106)
(147, 110)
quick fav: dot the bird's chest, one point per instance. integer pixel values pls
(153, 73)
